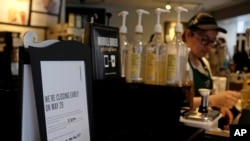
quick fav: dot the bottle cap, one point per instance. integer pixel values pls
(139, 27)
(179, 9)
(123, 27)
(158, 27)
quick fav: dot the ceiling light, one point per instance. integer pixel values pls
(168, 6)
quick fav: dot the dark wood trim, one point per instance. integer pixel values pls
(232, 11)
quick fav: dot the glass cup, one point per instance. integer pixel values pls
(245, 97)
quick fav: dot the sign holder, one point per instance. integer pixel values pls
(59, 77)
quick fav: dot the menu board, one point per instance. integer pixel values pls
(45, 12)
(47, 6)
(15, 11)
(39, 13)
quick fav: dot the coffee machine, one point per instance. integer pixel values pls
(202, 117)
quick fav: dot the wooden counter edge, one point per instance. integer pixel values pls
(222, 133)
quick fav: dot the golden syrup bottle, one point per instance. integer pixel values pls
(155, 55)
(137, 56)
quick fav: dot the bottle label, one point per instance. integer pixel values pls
(150, 67)
(161, 73)
(171, 68)
(135, 66)
(128, 65)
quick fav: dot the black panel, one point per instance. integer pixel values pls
(124, 111)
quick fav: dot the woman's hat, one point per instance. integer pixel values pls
(204, 21)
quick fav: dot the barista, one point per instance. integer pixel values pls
(200, 35)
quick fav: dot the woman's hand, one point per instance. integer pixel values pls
(228, 115)
(224, 99)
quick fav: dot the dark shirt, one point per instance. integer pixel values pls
(241, 60)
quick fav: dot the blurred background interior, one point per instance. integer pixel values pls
(65, 20)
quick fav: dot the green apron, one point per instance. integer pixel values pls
(201, 80)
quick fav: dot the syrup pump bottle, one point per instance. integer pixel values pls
(136, 54)
(189, 87)
(155, 57)
(124, 44)
(177, 54)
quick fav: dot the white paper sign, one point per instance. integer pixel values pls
(65, 100)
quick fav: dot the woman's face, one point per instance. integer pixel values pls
(201, 41)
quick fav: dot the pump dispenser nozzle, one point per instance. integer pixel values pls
(158, 27)
(123, 28)
(139, 28)
(179, 9)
